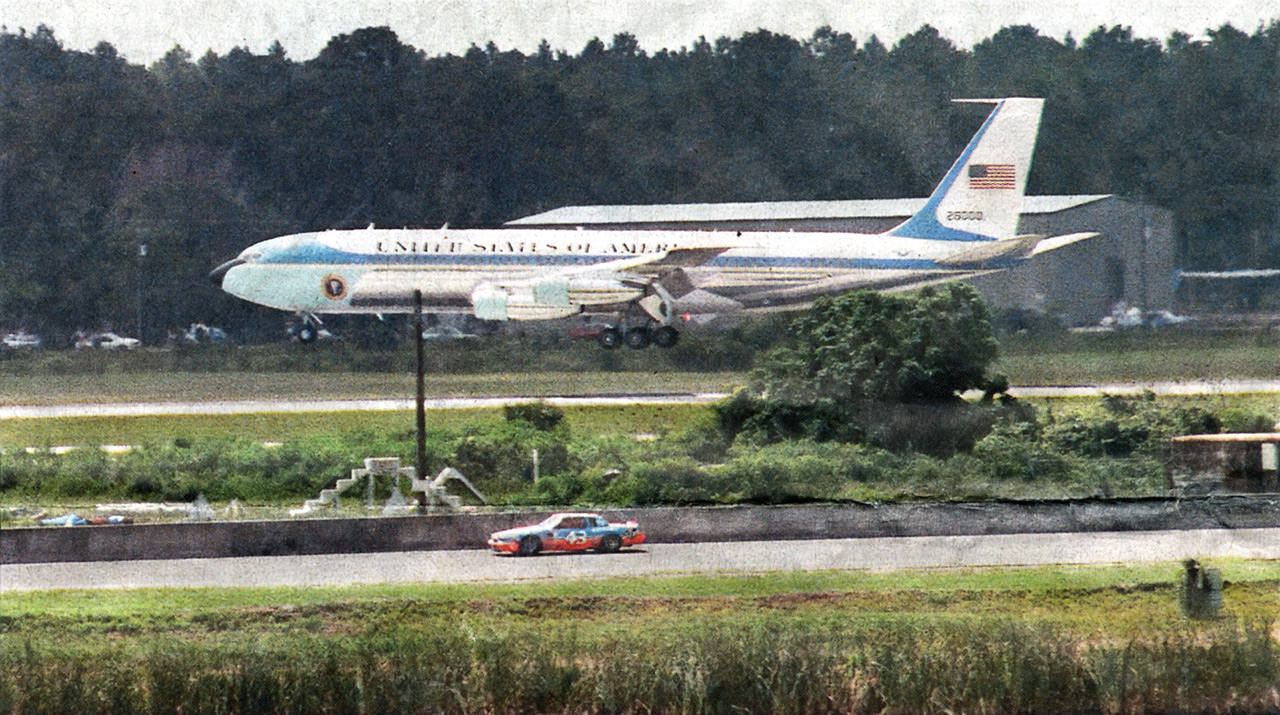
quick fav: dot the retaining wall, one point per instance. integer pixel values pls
(670, 525)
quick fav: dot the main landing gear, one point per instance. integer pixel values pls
(639, 337)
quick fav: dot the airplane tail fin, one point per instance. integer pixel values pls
(981, 196)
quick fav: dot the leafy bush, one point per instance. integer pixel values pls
(876, 369)
(1141, 425)
(674, 481)
(500, 457)
(539, 415)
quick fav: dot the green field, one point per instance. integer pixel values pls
(1058, 639)
(280, 426)
(1139, 356)
(183, 387)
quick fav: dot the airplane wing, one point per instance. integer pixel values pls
(538, 293)
(799, 297)
(991, 258)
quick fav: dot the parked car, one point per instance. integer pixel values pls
(573, 531)
(21, 339)
(106, 341)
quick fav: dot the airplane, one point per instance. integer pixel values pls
(649, 281)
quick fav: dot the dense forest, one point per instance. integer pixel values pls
(198, 158)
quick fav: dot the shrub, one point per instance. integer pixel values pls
(1238, 420)
(539, 415)
(674, 481)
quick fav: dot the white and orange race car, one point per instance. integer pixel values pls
(573, 531)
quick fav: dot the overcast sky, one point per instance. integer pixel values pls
(143, 30)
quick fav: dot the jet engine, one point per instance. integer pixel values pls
(549, 298)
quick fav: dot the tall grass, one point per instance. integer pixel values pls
(758, 665)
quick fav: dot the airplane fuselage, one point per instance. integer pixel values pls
(648, 280)
(314, 272)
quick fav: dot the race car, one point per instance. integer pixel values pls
(567, 532)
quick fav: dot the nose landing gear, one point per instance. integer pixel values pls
(307, 330)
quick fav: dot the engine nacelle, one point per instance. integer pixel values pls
(586, 290)
(548, 298)
(494, 303)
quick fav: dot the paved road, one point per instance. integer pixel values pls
(883, 554)
(224, 407)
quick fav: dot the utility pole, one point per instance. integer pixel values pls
(421, 463)
(142, 253)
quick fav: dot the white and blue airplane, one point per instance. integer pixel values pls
(647, 281)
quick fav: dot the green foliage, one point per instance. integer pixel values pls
(1111, 447)
(712, 664)
(1125, 426)
(539, 415)
(501, 456)
(869, 346)
(875, 368)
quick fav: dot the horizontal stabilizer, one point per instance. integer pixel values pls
(1056, 242)
(994, 254)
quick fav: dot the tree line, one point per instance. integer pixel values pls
(198, 158)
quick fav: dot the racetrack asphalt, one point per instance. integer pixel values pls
(879, 554)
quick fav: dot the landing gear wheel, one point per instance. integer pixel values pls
(306, 333)
(609, 338)
(529, 546)
(609, 544)
(666, 336)
(638, 338)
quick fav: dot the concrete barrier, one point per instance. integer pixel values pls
(671, 525)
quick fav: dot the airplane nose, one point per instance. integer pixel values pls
(220, 272)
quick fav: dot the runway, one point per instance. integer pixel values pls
(881, 554)
(226, 407)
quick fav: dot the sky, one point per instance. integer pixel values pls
(143, 30)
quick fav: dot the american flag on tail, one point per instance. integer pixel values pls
(992, 176)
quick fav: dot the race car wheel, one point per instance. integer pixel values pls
(529, 546)
(610, 543)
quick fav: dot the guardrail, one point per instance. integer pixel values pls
(671, 525)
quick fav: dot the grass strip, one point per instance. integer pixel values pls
(1106, 639)
(637, 419)
(183, 387)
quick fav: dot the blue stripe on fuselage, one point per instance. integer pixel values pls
(320, 254)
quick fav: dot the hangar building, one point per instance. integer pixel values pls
(1132, 260)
